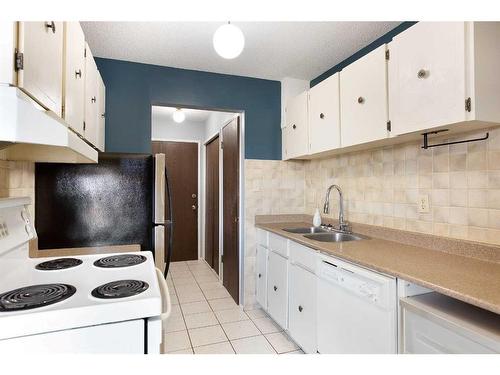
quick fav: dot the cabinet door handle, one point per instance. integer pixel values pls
(51, 25)
(322, 116)
(275, 288)
(93, 100)
(294, 126)
(361, 100)
(260, 275)
(300, 308)
(78, 73)
(422, 73)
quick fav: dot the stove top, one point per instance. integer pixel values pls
(34, 296)
(120, 289)
(118, 261)
(58, 264)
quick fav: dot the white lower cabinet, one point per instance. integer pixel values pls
(277, 288)
(302, 308)
(261, 267)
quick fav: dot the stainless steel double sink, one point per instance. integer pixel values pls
(324, 235)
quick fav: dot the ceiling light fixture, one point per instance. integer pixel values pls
(228, 41)
(179, 116)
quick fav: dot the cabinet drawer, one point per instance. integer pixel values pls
(303, 256)
(262, 238)
(278, 244)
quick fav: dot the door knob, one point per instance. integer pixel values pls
(193, 196)
(193, 207)
(300, 308)
(275, 288)
(51, 25)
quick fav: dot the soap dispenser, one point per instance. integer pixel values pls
(317, 218)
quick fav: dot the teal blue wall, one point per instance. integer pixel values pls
(131, 89)
(386, 38)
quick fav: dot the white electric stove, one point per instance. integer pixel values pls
(106, 303)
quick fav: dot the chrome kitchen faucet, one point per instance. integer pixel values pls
(343, 225)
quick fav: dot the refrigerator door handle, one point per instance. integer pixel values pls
(159, 232)
(169, 224)
(159, 189)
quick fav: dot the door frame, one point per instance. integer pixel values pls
(241, 208)
(198, 214)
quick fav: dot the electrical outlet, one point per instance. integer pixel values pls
(423, 204)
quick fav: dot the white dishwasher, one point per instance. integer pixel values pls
(357, 310)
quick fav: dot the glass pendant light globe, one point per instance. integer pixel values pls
(179, 116)
(228, 41)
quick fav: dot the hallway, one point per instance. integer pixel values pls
(206, 320)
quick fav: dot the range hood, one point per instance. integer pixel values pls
(29, 132)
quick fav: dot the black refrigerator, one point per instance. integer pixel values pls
(124, 199)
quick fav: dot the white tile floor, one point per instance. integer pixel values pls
(206, 320)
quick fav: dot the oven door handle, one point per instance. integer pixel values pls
(166, 303)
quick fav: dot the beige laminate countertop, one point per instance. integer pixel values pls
(468, 279)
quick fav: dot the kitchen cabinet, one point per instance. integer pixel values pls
(436, 324)
(277, 288)
(302, 308)
(261, 268)
(296, 134)
(91, 107)
(363, 99)
(324, 115)
(444, 73)
(8, 45)
(74, 76)
(41, 73)
(101, 114)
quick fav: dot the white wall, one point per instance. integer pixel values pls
(164, 127)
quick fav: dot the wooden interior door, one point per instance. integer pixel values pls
(212, 204)
(181, 159)
(230, 211)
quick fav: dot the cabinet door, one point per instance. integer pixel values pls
(101, 115)
(8, 44)
(74, 80)
(91, 93)
(297, 138)
(363, 99)
(324, 115)
(262, 276)
(277, 288)
(302, 308)
(41, 77)
(427, 76)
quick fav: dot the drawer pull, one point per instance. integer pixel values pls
(294, 126)
(322, 116)
(422, 73)
(361, 100)
(78, 73)
(300, 308)
(275, 288)
(260, 275)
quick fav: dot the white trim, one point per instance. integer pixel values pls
(200, 231)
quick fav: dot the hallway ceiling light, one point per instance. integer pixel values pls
(179, 116)
(228, 41)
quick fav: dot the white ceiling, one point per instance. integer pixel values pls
(192, 115)
(273, 50)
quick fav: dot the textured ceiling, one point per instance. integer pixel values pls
(273, 50)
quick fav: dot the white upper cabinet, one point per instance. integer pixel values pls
(443, 73)
(363, 99)
(91, 130)
(41, 74)
(296, 136)
(74, 75)
(101, 112)
(8, 45)
(324, 115)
